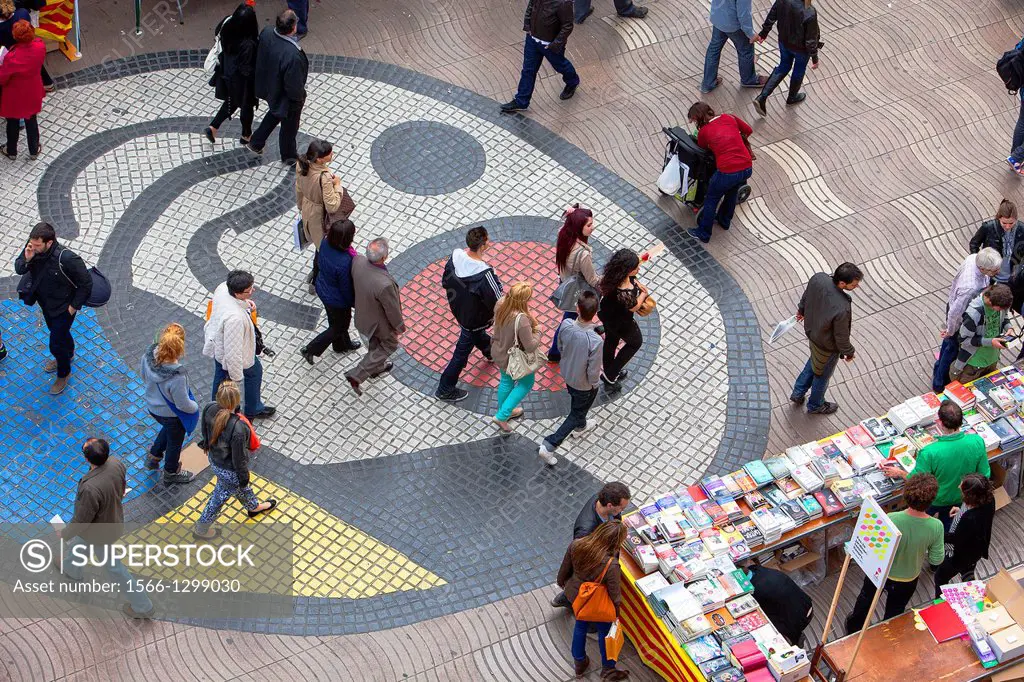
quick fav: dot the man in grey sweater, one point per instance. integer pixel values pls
(827, 312)
(581, 349)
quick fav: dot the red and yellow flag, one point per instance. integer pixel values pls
(55, 20)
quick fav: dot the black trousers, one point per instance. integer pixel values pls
(62, 344)
(897, 596)
(245, 117)
(31, 131)
(614, 361)
(950, 568)
(286, 136)
(336, 334)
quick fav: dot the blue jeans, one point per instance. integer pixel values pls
(1017, 147)
(817, 385)
(797, 61)
(253, 381)
(580, 403)
(301, 9)
(227, 486)
(553, 352)
(533, 54)
(579, 641)
(723, 187)
(167, 445)
(510, 393)
(947, 354)
(468, 340)
(116, 570)
(744, 52)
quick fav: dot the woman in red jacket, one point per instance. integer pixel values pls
(21, 89)
(726, 137)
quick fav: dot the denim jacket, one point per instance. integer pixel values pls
(729, 16)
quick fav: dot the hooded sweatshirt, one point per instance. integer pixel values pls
(171, 379)
(473, 289)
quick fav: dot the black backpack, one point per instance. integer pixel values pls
(1010, 68)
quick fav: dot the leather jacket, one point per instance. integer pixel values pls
(798, 27)
(550, 21)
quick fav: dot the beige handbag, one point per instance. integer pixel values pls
(521, 363)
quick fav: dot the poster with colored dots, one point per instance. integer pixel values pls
(874, 542)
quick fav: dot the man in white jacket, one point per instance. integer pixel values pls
(230, 339)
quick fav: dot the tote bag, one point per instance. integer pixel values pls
(521, 363)
(592, 603)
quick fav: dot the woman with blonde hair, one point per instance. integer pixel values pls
(170, 402)
(594, 558)
(514, 325)
(227, 439)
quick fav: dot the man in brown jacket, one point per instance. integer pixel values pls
(378, 313)
(827, 312)
(98, 522)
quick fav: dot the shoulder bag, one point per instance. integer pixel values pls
(647, 307)
(100, 294)
(188, 419)
(344, 210)
(592, 603)
(521, 363)
(568, 292)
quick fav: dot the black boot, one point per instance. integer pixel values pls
(768, 89)
(795, 96)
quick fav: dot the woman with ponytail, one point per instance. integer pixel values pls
(170, 402)
(320, 197)
(228, 437)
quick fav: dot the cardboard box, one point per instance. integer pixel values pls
(994, 619)
(1014, 673)
(1003, 588)
(1002, 497)
(1007, 643)
(800, 561)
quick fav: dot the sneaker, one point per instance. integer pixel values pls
(137, 615)
(718, 81)
(153, 463)
(59, 384)
(699, 236)
(3, 352)
(797, 401)
(547, 455)
(567, 92)
(583, 430)
(179, 478)
(455, 396)
(1014, 164)
(511, 107)
(761, 80)
(826, 408)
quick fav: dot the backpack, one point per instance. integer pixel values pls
(1010, 68)
(101, 291)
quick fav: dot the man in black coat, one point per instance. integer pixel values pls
(787, 606)
(548, 24)
(281, 71)
(61, 284)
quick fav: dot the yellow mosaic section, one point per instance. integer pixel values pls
(332, 558)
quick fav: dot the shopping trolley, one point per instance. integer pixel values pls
(701, 163)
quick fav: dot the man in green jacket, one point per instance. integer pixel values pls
(954, 455)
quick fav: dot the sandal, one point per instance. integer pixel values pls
(3, 150)
(271, 504)
(502, 426)
(199, 536)
(517, 413)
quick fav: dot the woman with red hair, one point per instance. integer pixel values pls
(574, 256)
(21, 88)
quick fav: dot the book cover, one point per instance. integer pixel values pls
(758, 472)
(709, 668)
(775, 495)
(665, 501)
(752, 620)
(703, 649)
(779, 467)
(860, 436)
(931, 400)
(755, 499)
(789, 487)
(830, 504)
(875, 429)
(744, 480)
(739, 606)
(811, 506)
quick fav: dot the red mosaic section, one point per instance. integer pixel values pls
(432, 330)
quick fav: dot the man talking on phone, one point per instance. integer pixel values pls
(982, 334)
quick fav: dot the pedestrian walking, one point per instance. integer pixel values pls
(320, 197)
(624, 8)
(622, 295)
(969, 533)
(473, 289)
(59, 282)
(1016, 157)
(21, 89)
(23, 10)
(594, 559)
(827, 313)
(514, 327)
(582, 351)
(799, 40)
(982, 326)
(975, 273)
(731, 20)
(301, 9)
(170, 401)
(548, 24)
(281, 71)
(9, 16)
(336, 291)
(97, 523)
(574, 257)
(1005, 234)
(230, 338)
(228, 438)
(726, 136)
(379, 318)
(234, 78)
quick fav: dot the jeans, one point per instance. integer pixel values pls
(579, 641)
(1017, 146)
(227, 486)
(225, 112)
(744, 52)
(252, 381)
(950, 568)
(797, 61)
(581, 7)
(947, 354)
(533, 54)
(817, 385)
(723, 187)
(510, 393)
(117, 571)
(553, 352)
(580, 403)
(167, 445)
(614, 362)
(468, 340)
(898, 595)
(31, 132)
(301, 9)
(62, 344)
(336, 334)
(285, 137)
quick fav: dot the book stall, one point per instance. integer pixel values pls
(687, 607)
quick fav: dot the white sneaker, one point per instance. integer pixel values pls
(583, 430)
(547, 455)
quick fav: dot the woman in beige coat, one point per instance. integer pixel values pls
(513, 321)
(317, 190)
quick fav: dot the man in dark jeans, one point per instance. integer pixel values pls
(472, 289)
(548, 24)
(581, 350)
(61, 284)
(281, 71)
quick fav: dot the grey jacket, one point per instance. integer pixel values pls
(378, 303)
(581, 349)
(171, 379)
(828, 315)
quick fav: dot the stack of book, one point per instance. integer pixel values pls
(768, 524)
(807, 479)
(758, 472)
(860, 459)
(1009, 438)
(880, 429)
(960, 394)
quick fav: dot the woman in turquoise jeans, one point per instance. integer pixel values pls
(513, 325)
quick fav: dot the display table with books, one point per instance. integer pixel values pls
(686, 603)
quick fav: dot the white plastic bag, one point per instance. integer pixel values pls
(669, 182)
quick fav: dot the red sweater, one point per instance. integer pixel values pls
(723, 135)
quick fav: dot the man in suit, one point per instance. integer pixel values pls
(281, 71)
(378, 313)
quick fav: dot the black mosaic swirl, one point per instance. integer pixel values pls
(427, 158)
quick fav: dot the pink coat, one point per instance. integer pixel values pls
(21, 80)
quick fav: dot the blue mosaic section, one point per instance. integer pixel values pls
(42, 435)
